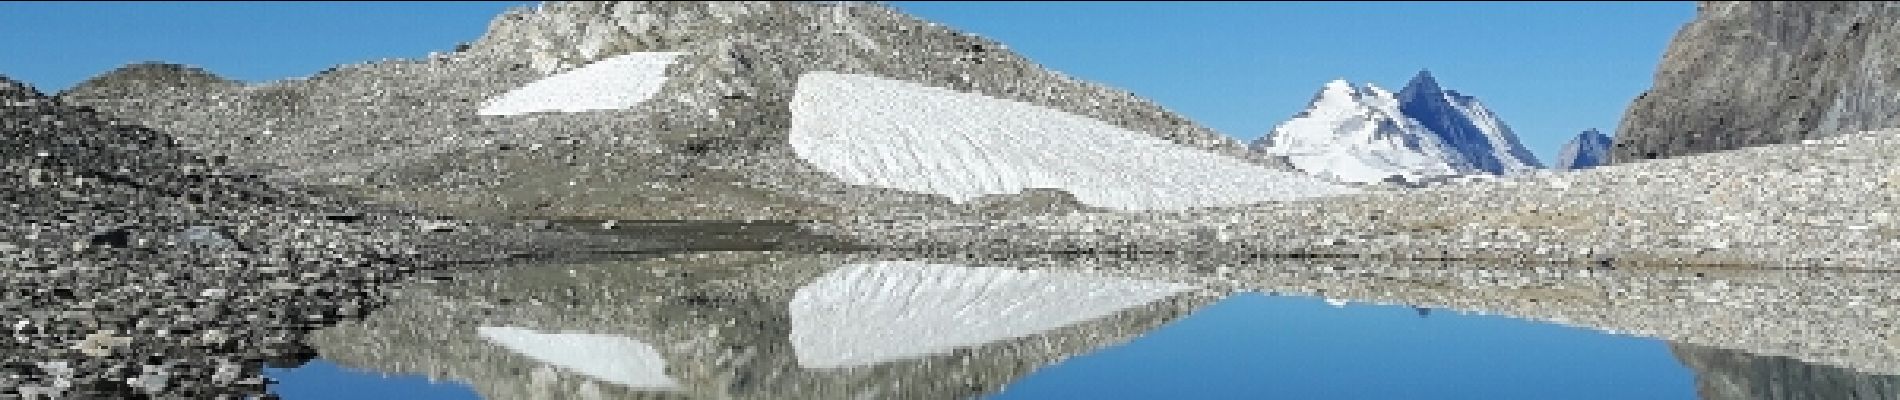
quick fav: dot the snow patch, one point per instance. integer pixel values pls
(610, 358)
(866, 314)
(889, 133)
(615, 83)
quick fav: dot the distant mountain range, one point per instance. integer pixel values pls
(1365, 133)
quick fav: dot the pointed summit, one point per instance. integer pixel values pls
(1420, 85)
(1589, 149)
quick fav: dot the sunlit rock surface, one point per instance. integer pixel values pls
(1750, 73)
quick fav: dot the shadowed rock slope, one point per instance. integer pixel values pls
(1754, 73)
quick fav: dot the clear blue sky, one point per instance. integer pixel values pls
(1549, 69)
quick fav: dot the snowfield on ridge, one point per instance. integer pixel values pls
(889, 133)
(613, 83)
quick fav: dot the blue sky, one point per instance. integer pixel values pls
(1549, 69)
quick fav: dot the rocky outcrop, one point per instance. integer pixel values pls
(711, 143)
(1753, 73)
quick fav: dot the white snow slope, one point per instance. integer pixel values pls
(881, 132)
(1358, 134)
(866, 314)
(610, 358)
(614, 83)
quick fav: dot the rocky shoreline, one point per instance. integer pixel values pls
(137, 268)
(1823, 203)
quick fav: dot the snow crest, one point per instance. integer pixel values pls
(615, 83)
(610, 358)
(881, 132)
(866, 314)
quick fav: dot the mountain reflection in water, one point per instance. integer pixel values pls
(790, 325)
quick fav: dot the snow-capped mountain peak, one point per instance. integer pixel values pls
(1365, 134)
(1588, 150)
(1358, 134)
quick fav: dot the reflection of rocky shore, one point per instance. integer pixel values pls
(1841, 319)
(1734, 375)
(753, 325)
(728, 325)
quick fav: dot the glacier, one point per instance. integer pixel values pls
(869, 130)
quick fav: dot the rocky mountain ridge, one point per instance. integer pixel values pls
(711, 143)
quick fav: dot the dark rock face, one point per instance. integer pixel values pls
(1753, 73)
(1723, 374)
(1439, 110)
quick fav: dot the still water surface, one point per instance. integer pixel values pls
(782, 325)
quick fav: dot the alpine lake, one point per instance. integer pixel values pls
(745, 316)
